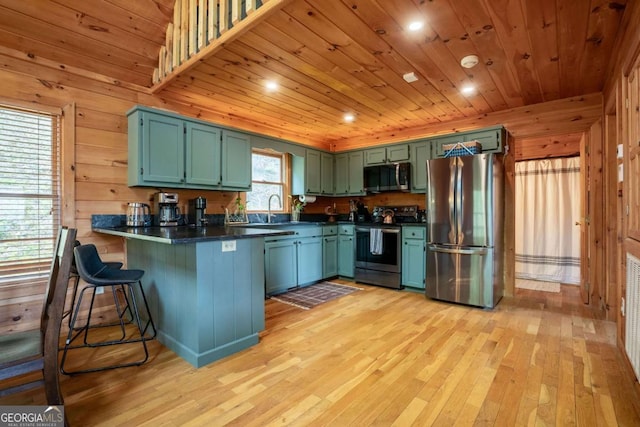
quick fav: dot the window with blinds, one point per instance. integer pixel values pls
(29, 194)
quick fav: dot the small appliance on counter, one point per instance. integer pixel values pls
(138, 215)
(198, 212)
(167, 212)
(353, 210)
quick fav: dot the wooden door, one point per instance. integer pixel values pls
(583, 223)
(632, 183)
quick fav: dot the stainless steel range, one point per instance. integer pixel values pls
(378, 246)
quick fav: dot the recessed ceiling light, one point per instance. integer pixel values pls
(271, 86)
(468, 90)
(348, 117)
(415, 25)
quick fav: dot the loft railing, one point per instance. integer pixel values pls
(201, 27)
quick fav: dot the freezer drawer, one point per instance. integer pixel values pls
(464, 275)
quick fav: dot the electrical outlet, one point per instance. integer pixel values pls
(622, 306)
(99, 290)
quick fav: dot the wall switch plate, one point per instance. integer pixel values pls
(228, 246)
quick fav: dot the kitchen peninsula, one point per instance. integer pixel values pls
(205, 285)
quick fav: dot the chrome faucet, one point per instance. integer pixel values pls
(269, 210)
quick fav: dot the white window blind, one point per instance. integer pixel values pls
(29, 194)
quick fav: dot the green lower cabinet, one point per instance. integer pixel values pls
(280, 265)
(413, 257)
(309, 254)
(346, 250)
(329, 256)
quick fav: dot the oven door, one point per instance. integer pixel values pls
(388, 260)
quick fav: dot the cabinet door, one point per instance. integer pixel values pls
(346, 250)
(489, 139)
(440, 142)
(309, 260)
(312, 172)
(342, 174)
(356, 173)
(375, 156)
(280, 266)
(413, 263)
(420, 153)
(398, 153)
(236, 160)
(162, 149)
(203, 154)
(329, 256)
(326, 174)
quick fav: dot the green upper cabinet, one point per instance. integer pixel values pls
(203, 153)
(236, 160)
(156, 149)
(313, 173)
(342, 174)
(375, 156)
(326, 174)
(349, 177)
(390, 154)
(167, 150)
(420, 153)
(491, 139)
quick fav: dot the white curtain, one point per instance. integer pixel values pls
(547, 207)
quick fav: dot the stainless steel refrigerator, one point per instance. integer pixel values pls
(465, 209)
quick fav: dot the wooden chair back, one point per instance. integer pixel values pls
(48, 336)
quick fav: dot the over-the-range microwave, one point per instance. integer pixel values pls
(391, 177)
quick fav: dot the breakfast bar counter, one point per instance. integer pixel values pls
(205, 286)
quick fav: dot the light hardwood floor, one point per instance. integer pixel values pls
(382, 357)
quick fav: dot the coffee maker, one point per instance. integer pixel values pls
(165, 206)
(197, 212)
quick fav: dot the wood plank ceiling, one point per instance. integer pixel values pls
(331, 57)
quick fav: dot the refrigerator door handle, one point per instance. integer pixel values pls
(452, 196)
(466, 251)
(459, 204)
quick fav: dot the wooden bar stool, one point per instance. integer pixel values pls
(97, 274)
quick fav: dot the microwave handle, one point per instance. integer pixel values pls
(398, 175)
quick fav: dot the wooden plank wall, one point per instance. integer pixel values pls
(620, 107)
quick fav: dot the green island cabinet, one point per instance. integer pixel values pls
(329, 251)
(167, 150)
(349, 177)
(414, 245)
(292, 261)
(346, 250)
(207, 301)
(388, 154)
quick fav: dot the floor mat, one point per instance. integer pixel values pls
(314, 295)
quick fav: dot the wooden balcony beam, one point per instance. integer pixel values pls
(240, 28)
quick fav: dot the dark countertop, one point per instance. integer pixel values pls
(186, 234)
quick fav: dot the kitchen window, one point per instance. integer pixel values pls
(268, 177)
(29, 194)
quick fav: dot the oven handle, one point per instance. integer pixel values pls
(475, 251)
(384, 230)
